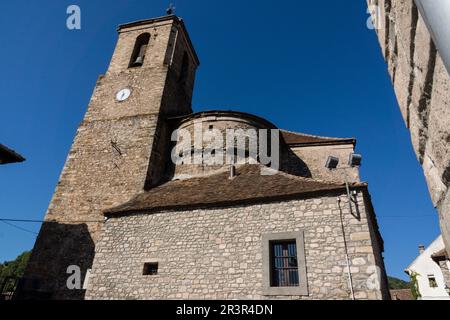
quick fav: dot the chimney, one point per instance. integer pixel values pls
(421, 248)
(232, 171)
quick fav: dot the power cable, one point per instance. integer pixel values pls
(17, 227)
(43, 221)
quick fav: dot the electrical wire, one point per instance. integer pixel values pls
(17, 227)
(8, 222)
(49, 221)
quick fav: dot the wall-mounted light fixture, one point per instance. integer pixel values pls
(331, 164)
(355, 160)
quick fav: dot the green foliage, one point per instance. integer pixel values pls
(395, 283)
(15, 268)
(414, 285)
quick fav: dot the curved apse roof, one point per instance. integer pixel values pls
(294, 139)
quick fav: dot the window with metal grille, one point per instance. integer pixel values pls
(284, 264)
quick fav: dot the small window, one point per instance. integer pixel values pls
(284, 264)
(432, 281)
(150, 269)
(140, 49)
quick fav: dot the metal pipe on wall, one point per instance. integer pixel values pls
(436, 14)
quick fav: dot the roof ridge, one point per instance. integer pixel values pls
(315, 136)
(279, 172)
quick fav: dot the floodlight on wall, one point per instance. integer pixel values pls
(354, 160)
(332, 163)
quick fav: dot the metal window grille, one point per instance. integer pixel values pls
(284, 264)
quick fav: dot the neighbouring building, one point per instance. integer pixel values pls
(422, 85)
(442, 259)
(9, 156)
(401, 294)
(140, 226)
(431, 271)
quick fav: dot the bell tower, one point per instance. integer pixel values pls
(118, 151)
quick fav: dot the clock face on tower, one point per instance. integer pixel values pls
(123, 94)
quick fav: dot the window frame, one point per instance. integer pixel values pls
(140, 41)
(267, 240)
(432, 281)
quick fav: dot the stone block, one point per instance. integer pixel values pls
(358, 236)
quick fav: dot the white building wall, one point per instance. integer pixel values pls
(424, 266)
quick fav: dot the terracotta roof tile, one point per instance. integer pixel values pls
(301, 139)
(248, 186)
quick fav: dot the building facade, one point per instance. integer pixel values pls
(422, 85)
(431, 270)
(141, 226)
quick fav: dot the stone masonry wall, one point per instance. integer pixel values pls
(422, 87)
(315, 158)
(112, 157)
(216, 253)
(445, 267)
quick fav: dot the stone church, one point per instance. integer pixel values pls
(139, 226)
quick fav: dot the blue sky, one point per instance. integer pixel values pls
(310, 66)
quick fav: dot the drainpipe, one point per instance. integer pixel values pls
(347, 257)
(232, 171)
(436, 14)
